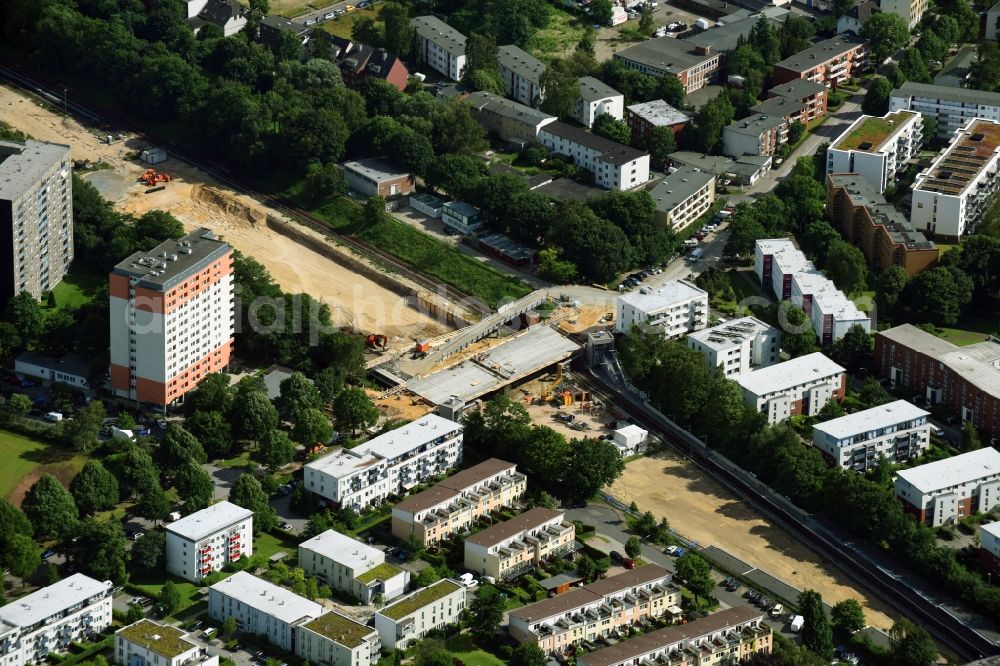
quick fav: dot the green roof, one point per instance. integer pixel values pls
(340, 629)
(419, 599)
(164, 640)
(873, 131)
(384, 571)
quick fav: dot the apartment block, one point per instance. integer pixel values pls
(373, 177)
(898, 432)
(440, 46)
(801, 386)
(876, 148)
(389, 464)
(615, 166)
(172, 318)
(682, 197)
(874, 226)
(953, 107)
(597, 97)
(966, 380)
(405, 622)
(521, 73)
(36, 217)
(945, 491)
(759, 134)
(146, 643)
(208, 540)
(910, 11)
(951, 197)
(261, 608)
(337, 640)
(741, 171)
(514, 547)
(731, 636)
(352, 567)
(47, 621)
(593, 611)
(792, 277)
(453, 505)
(737, 346)
(645, 117)
(799, 100)
(989, 547)
(506, 119)
(675, 307)
(694, 66)
(830, 62)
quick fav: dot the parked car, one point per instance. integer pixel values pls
(776, 610)
(311, 22)
(628, 563)
(616, 557)
(329, 15)
(137, 536)
(48, 553)
(161, 424)
(285, 526)
(937, 431)
(676, 551)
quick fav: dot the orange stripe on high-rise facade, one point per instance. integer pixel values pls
(120, 377)
(194, 285)
(118, 286)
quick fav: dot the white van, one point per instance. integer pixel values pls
(54, 417)
(696, 254)
(691, 242)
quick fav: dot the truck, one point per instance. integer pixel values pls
(795, 622)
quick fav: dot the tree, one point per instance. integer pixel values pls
(12, 522)
(153, 502)
(586, 568)
(846, 266)
(50, 508)
(765, 39)
(797, 335)
(213, 393)
(659, 143)
(562, 88)
(486, 613)
(796, 35)
(134, 470)
(795, 131)
(194, 485)
(169, 599)
(212, 430)
(25, 313)
(275, 449)
(311, 425)
(528, 654)
(854, 350)
(21, 555)
(178, 447)
(134, 614)
(847, 617)
(970, 438)
(353, 409)
(886, 33)
(911, 645)
(889, 284)
(592, 464)
(816, 632)
(985, 70)
(19, 404)
(599, 248)
(149, 553)
(646, 26)
(398, 31)
(126, 421)
(831, 410)
(710, 120)
(365, 31)
(427, 576)
(610, 127)
(82, 430)
(94, 488)
(297, 392)
(432, 652)
(601, 11)
(230, 626)
(98, 549)
(913, 66)
(554, 269)
(247, 492)
(696, 574)
(323, 180)
(873, 394)
(633, 547)
(937, 296)
(254, 415)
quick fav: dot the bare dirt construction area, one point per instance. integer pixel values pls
(197, 200)
(703, 510)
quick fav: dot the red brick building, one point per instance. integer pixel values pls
(830, 62)
(359, 61)
(800, 100)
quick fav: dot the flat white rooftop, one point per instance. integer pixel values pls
(791, 373)
(832, 301)
(875, 418)
(269, 598)
(730, 334)
(953, 471)
(208, 521)
(992, 528)
(345, 550)
(344, 462)
(666, 295)
(46, 602)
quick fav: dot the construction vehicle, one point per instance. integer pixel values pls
(377, 341)
(553, 387)
(152, 177)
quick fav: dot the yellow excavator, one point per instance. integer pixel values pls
(549, 392)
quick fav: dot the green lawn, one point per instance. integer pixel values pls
(77, 288)
(975, 330)
(463, 648)
(23, 454)
(561, 35)
(341, 26)
(242, 460)
(268, 544)
(190, 593)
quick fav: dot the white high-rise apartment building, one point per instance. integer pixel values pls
(676, 308)
(47, 621)
(36, 217)
(208, 540)
(172, 318)
(390, 464)
(898, 432)
(738, 346)
(952, 107)
(909, 10)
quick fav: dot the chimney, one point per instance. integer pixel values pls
(703, 50)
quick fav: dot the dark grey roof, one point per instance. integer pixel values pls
(797, 89)
(435, 30)
(779, 106)
(748, 165)
(220, 12)
(611, 151)
(564, 189)
(678, 186)
(955, 71)
(725, 37)
(821, 52)
(666, 53)
(505, 107)
(756, 124)
(965, 95)
(532, 182)
(184, 256)
(523, 64)
(864, 10)
(591, 89)
(863, 194)
(71, 364)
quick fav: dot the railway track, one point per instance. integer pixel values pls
(950, 630)
(48, 91)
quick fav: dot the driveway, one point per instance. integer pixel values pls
(224, 478)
